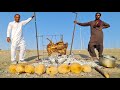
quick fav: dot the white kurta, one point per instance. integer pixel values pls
(17, 40)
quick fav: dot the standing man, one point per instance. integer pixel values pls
(14, 31)
(96, 39)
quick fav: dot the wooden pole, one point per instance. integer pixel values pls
(36, 37)
(105, 74)
(73, 33)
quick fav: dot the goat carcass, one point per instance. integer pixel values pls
(59, 47)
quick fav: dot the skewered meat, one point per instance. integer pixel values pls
(59, 47)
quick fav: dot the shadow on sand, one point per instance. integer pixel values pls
(31, 58)
(83, 55)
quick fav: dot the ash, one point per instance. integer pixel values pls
(67, 59)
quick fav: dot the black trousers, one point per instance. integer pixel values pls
(91, 49)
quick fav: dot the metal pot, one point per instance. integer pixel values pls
(107, 61)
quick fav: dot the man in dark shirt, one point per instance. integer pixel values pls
(96, 39)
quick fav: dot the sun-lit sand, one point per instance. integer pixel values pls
(31, 55)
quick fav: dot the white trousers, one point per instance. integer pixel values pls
(22, 48)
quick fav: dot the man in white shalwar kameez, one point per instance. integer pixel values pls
(15, 36)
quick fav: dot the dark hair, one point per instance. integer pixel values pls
(98, 13)
(17, 14)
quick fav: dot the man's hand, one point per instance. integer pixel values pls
(33, 16)
(100, 28)
(75, 22)
(8, 39)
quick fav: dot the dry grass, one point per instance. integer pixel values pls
(31, 55)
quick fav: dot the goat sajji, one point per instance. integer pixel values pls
(59, 47)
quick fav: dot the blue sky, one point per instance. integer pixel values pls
(56, 23)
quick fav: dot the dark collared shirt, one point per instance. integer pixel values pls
(96, 32)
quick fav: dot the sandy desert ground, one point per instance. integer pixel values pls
(31, 55)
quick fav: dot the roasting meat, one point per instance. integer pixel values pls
(59, 47)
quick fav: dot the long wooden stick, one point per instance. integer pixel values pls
(73, 33)
(36, 36)
(106, 75)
